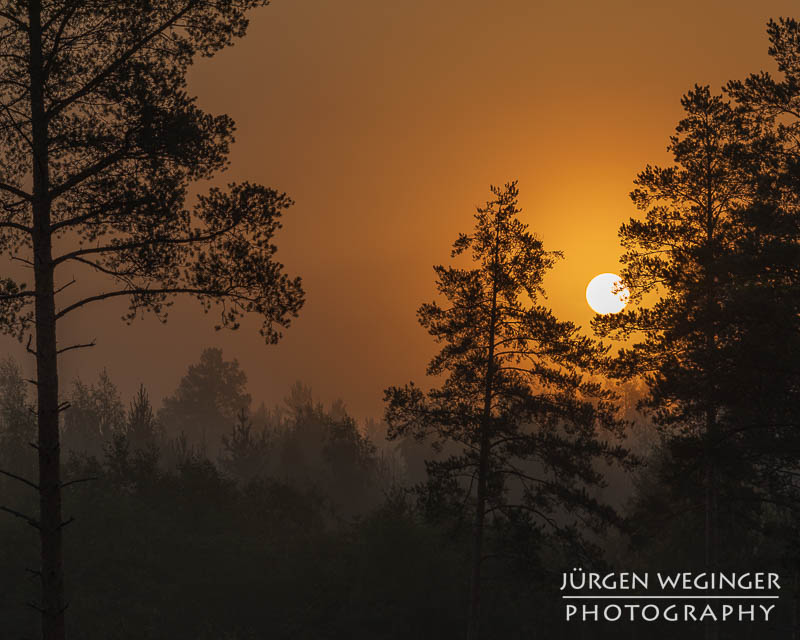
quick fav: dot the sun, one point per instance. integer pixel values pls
(606, 294)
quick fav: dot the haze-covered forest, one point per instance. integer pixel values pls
(211, 517)
(662, 438)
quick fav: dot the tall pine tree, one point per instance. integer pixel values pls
(101, 142)
(768, 275)
(683, 326)
(512, 394)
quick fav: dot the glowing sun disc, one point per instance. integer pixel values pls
(601, 296)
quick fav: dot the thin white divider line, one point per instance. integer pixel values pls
(670, 597)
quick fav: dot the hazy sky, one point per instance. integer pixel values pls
(386, 122)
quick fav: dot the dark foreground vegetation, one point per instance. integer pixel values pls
(299, 523)
(297, 527)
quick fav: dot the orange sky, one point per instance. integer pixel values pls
(386, 122)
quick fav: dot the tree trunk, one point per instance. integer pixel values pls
(473, 630)
(711, 630)
(473, 626)
(50, 521)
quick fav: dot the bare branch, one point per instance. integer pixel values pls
(78, 481)
(31, 521)
(19, 479)
(76, 346)
(22, 260)
(110, 272)
(60, 289)
(28, 346)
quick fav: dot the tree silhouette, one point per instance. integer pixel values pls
(100, 143)
(678, 268)
(17, 424)
(207, 401)
(513, 397)
(767, 274)
(142, 431)
(246, 452)
(96, 414)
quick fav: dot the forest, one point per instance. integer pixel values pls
(664, 439)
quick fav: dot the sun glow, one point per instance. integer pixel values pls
(606, 294)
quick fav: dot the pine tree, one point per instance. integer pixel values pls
(767, 291)
(100, 144)
(96, 415)
(246, 452)
(679, 270)
(17, 425)
(142, 431)
(207, 401)
(513, 396)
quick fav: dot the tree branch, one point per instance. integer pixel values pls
(145, 292)
(28, 519)
(19, 479)
(85, 174)
(128, 205)
(78, 481)
(14, 20)
(68, 13)
(14, 225)
(16, 296)
(60, 289)
(22, 260)
(76, 346)
(24, 195)
(28, 346)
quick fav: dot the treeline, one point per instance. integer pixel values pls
(210, 418)
(292, 521)
(234, 522)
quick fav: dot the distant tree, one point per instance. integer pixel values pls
(207, 401)
(513, 395)
(177, 452)
(300, 400)
(17, 423)
(96, 415)
(679, 270)
(142, 431)
(325, 450)
(299, 448)
(350, 459)
(100, 143)
(246, 452)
